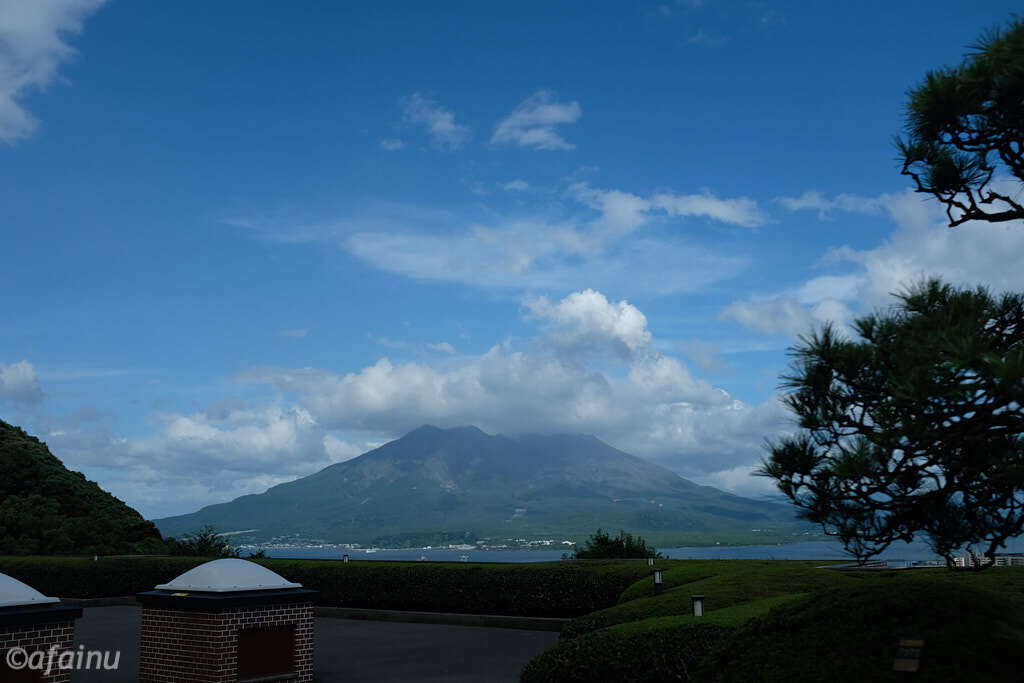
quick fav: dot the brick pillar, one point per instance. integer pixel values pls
(34, 637)
(201, 646)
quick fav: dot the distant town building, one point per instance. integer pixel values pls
(1001, 560)
(1010, 560)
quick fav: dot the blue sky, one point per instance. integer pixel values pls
(242, 241)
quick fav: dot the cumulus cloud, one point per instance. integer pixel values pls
(191, 460)
(19, 383)
(921, 246)
(630, 395)
(588, 320)
(532, 123)
(445, 133)
(32, 48)
(704, 355)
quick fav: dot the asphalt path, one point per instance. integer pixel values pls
(351, 650)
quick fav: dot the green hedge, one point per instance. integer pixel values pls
(79, 577)
(851, 634)
(724, 583)
(552, 589)
(659, 649)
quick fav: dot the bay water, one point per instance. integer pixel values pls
(806, 550)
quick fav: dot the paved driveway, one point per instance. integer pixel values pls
(352, 650)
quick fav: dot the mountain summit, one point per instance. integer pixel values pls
(450, 485)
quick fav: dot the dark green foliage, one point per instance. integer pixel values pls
(539, 590)
(557, 589)
(79, 577)
(203, 543)
(851, 634)
(46, 508)
(602, 546)
(787, 621)
(965, 124)
(915, 429)
(726, 584)
(659, 652)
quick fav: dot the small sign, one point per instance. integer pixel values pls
(908, 656)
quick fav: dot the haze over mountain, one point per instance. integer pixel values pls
(446, 485)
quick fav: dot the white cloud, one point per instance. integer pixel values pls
(704, 355)
(623, 212)
(920, 247)
(814, 201)
(739, 211)
(581, 244)
(532, 123)
(634, 397)
(587, 320)
(540, 255)
(392, 144)
(196, 459)
(32, 47)
(741, 481)
(19, 383)
(570, 253)
(517, 185)
(786, 315)
(445, 132)
(443, 347)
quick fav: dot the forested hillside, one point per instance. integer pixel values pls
(46, 508)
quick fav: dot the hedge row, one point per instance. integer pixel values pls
(660, 649)
(553, 589)
(851, 633)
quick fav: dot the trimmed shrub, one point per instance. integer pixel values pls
(659, 649)
(79, 577)
(555, 589)
(852, 634)
(558, 589)
(725, 583)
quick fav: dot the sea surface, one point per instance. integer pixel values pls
(806, 550)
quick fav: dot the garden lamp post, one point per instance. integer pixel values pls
(698, 605)
(657, 582)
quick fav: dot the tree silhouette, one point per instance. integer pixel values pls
(917, 428)
(965, 127)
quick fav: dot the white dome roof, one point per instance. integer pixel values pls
(223, 576)
(15, 593)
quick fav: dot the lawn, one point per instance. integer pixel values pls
(794, 621)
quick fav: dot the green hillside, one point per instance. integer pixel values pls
(46, 508)
(436, 485)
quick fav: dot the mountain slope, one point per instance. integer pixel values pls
(46, 508)
(462, 484)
